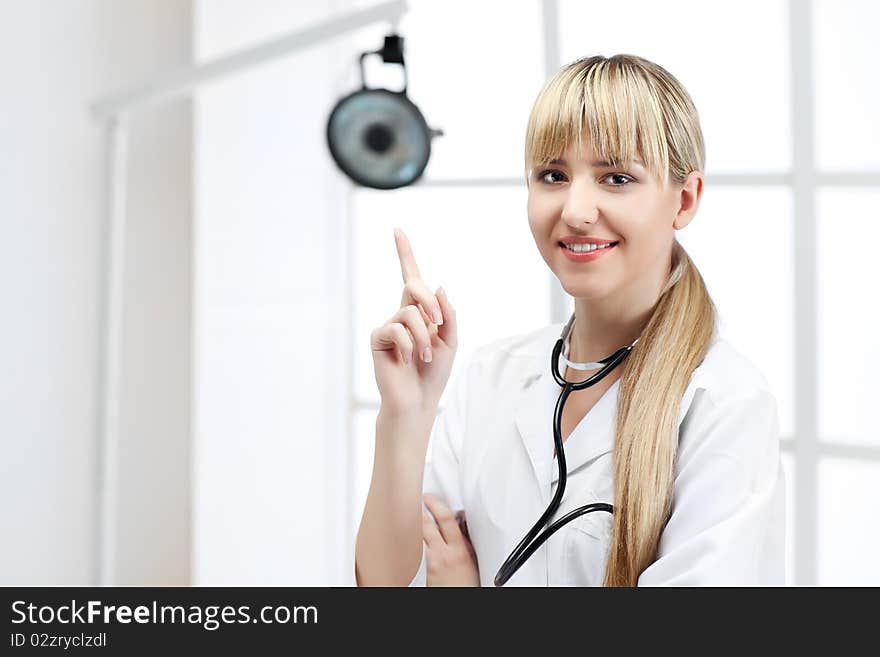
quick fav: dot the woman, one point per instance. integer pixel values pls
(681, 438)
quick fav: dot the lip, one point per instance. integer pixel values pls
(588, 256)
(571, 239)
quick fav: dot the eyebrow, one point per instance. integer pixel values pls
(597, 163)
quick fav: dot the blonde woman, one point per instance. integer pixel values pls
(680, 439)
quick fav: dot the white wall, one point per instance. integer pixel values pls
(54, 58)
(271, 382)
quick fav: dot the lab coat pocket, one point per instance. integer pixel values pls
(587, 543)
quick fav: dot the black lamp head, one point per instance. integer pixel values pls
(378, 137)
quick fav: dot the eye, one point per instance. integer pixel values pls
(625, 178)
(543, 176)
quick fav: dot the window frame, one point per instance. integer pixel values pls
(804, 180)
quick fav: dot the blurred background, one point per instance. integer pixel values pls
(255, 271)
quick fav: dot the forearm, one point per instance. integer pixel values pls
(389, 541)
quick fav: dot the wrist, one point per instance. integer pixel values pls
(408, 417)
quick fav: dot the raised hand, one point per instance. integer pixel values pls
(414, 350)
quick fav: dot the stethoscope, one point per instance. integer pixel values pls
(535, 538)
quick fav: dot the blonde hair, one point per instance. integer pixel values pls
(625, 106)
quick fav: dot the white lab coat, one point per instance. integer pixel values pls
(491, 454)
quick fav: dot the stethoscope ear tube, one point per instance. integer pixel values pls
(535, 537)
(608, 363)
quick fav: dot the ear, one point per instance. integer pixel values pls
(689, 199)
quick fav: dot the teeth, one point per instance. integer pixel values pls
(582, 248)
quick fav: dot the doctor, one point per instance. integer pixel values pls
(681, 438)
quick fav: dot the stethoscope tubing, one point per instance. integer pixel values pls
(535, 536)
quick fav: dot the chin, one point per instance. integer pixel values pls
(580, 290)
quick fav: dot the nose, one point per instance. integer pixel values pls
(581, 205)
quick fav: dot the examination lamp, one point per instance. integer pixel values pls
(378, 137)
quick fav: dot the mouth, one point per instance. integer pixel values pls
(586, 252)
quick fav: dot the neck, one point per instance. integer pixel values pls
(604, 325)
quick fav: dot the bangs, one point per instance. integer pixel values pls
(603, 104)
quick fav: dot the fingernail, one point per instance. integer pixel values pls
(426, 355)
(437, 317)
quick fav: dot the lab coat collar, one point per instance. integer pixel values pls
(593, 436)
(533, 415)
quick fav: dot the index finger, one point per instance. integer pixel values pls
(408, 267)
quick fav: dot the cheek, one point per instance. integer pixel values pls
(641, 222)
(540, 215)
(644, 242)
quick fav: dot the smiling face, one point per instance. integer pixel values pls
(577, 196)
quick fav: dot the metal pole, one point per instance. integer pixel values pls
(179, 83)
(559, 300)
(805, 339)
(113, 274)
